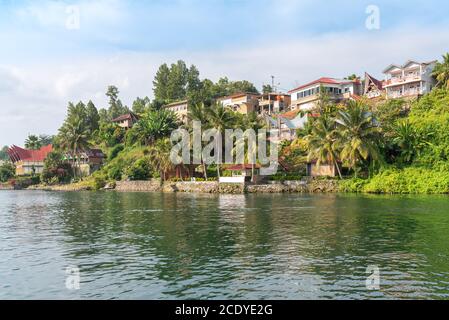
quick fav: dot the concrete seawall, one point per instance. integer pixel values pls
(314, 186)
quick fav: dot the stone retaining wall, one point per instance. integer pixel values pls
(313, 186)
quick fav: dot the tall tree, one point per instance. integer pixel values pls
(441, 72)
(4, 153)
(33, 142)
(92, 117)
(266, 88)
(359, 134)
(220, 118)
(116, 107)
(177, 81)
(323, 143)
(141, 105)
(160, 83)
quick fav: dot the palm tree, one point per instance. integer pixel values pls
(358, 132)
(33, 142)
(253, 122)
(441, 72)
(159, 155)
(199, 112)
(323, 143)
(409, 140)
(156, 125)
(73, 138)
(220, 118)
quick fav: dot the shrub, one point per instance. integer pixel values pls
(7, 171)
(140, 170)
(412, 180)
(115, 151)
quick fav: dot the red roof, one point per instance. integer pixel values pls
(128, 116)
(324, 80)
(19, 154)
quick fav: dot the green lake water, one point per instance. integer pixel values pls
(191, 246)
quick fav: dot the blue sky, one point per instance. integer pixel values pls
(44, 64)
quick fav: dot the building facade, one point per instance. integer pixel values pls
(412, 79)
(243, 103)
(180, 108)
(305, 97)
(126, 121)
(271, 103)
(28, 162)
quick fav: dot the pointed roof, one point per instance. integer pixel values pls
(19, 154)
(370, 80)
(129, 116)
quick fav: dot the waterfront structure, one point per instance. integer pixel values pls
(126, 121)
(272, 103)
(242, 173)
(28, 162)
(87, 161)
(373, 88)
(243, 103)
(322, 170)
(180, 108)
(305, 97)
(410, 80)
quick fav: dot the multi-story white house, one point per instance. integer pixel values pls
(409, 80)
(306, 96)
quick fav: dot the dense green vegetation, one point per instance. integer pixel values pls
(416, 150)
(392, 146)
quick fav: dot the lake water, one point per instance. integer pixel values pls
(184, 246)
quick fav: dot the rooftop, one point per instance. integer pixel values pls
(324, 80)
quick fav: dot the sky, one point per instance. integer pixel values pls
(54, 51)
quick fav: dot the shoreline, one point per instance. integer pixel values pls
(314, 186)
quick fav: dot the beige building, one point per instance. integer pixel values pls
(305, 97)
(126, 121)
(243, 103)
(180, 108)
(273, 103)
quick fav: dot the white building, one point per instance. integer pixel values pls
(306, 96)
(409, 80)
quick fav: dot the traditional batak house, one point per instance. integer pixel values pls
(28, 162)
(126, 121)
(373, 88)
(410, 80)
(305, 97)
(180, 108)
(243, 103)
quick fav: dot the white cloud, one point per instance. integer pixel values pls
(34, 96)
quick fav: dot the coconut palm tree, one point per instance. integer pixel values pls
(323, 143)
(220, 118)
(358, 132)
(441, 72)
(33, 142)
(199, 112)
(74, 138)
(252, 122)
(159, 155)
